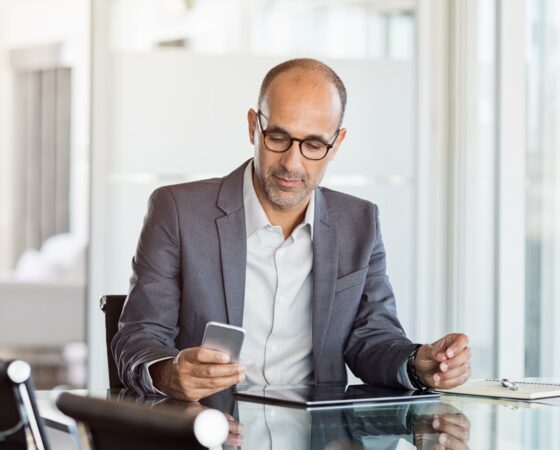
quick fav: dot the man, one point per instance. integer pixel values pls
(302, 268)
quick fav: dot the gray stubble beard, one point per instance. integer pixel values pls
(275, 197)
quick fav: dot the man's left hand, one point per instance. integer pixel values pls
(442, 431)
(446, 363)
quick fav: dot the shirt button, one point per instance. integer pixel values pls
(273, 413)
(273, 347)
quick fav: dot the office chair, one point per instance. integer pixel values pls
(20, 422)
(112, 306)
(112, 425)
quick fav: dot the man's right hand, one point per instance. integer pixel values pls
(196, 373)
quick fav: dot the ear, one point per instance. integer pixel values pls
(252, 123)
(339, 139)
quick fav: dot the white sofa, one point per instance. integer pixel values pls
(42, 302)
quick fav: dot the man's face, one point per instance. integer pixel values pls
(303, 105)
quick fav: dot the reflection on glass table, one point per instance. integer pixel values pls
(330, 395)
(464, 422)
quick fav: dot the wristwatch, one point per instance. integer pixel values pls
(411, 370)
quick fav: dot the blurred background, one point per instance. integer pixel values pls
(453, 130)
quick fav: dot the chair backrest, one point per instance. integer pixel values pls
(112, 425)
(112, 306)
(19, 415)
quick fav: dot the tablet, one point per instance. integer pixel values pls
(330, 395)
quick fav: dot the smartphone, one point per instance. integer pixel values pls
(224, 338)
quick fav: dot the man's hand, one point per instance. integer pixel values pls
(196, 373)
(442, 431)
(193, 409)
(446, 363)
(235, 436)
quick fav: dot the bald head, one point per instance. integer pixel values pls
(303, 71)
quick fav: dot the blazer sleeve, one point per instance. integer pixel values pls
(377, 347)
(148, 324)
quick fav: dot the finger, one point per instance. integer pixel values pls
(204, 355)
(451, 429)
(426, 355)
(448, 346)
(234, 441)
(214, 383)
(458, 419)
(437, 351)
(236, 427)
(452, 443)
(430, 353)
(463, 357)
(455, 373)
(443, 382)
(215, 370)
(457, 343)
(196, 394)
(427, 440)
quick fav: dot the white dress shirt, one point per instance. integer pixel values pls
(278, 291)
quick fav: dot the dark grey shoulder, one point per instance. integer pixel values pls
(193, 193)
(193, 187)
(338, 202)
(204, 191)
(184, 199)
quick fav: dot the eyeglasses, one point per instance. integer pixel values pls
(280, 142)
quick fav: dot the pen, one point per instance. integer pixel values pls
(509, 384)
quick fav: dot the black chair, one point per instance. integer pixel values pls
(20, 421)
(111, 425)
(112, 306)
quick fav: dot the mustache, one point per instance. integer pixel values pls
(287, 175)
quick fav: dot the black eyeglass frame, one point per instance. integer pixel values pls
(299, 141)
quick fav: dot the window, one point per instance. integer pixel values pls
(543, 189)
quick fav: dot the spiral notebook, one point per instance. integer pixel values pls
(487, 387)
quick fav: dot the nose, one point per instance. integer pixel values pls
(292, 158)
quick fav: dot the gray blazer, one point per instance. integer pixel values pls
(189, 268)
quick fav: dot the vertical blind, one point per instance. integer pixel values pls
(42, 111)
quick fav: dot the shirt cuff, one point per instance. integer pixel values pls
(403, 377)
(147, 381)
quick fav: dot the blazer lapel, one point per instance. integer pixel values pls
(325, 268)
(233, 244)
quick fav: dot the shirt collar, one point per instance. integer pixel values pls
(255, 217)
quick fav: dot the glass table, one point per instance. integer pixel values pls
(470, 422)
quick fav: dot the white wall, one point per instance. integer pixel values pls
(168, 116)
